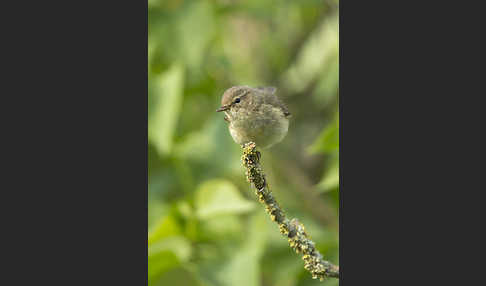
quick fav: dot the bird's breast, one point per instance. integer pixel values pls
(264, 126)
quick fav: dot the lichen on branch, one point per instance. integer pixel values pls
(294, 230)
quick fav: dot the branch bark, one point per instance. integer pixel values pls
(292, 229)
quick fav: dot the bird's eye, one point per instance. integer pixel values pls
(237, 100)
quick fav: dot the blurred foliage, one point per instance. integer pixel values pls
(205, 225)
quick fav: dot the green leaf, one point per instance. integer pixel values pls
(180, 275)
(244, 267)
(221, 228)
(317, 52)
(194, 36)
(331, 178)
(241, 266)
(156, 210)
(166, 227)
(212, 147)
(159, 263)
(327, 88)
(167, 102)
(328, 140)
(179, 245)
(166, 251)
(242, 270)
(217, 197)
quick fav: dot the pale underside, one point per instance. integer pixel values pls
(265, 126)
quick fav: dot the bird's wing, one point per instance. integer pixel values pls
(275, 100)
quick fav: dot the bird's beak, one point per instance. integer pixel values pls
(223, 108)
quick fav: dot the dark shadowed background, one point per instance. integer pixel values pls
(205, 225)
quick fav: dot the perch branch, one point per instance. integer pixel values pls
(292, 229)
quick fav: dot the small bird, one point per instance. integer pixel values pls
(255, 114)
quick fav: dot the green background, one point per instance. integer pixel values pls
(205, 225)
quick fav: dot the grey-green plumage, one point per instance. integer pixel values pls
(255, 114)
